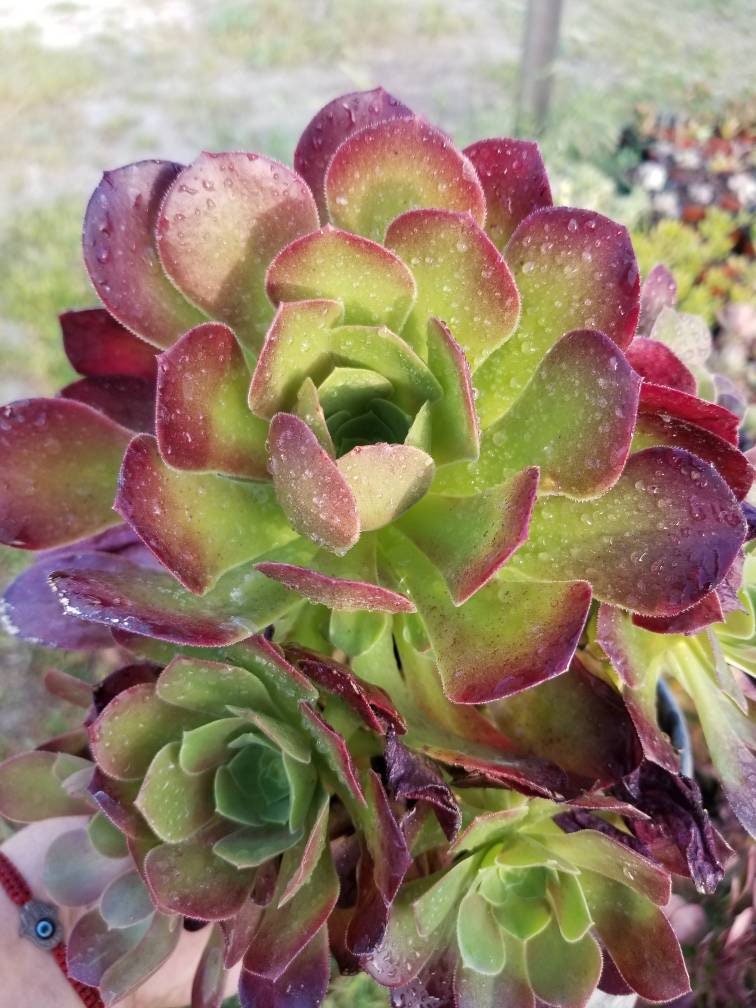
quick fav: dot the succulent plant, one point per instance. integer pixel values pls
(525, 910)
(364, 458)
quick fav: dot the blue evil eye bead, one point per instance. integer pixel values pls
(39, 923)
(44, 929)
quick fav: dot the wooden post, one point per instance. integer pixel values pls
(539, 49)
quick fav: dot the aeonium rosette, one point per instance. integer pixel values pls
(395, 380)
(220, 791)
(524, 912)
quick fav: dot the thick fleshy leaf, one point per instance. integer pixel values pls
(461, 736)
(385, 480)
(710, 416)
(203, 420)
(591, 850)
(461, 278)
(328, 129)
(510, 989)
(403, 951)
(658, 290)
(188, 878)
(374, 286)
(514, 181)
(133, 727)
(252, 846)
(312, 492)
(469, 538)
(656, 427)
(575, 270)
(303, 984)
(30, 789)
(31, 610)
(93, 946)
(369, 702)
(59, 461)
(121, 256)
(221, 223)
(655, 362)
(68, 687)
(483, 656)
(698, 617)
(206, 747)
(563, 974)
(336, 593)
(549, 721)
(131, 970)
(395, 166)
(128, 597)
(74, 873)
(569, 906)
(174, 804)
(334, 749)
(304, 341)
(197, 525)
(575, 420)
(638, 937)
(285, 930)
(100, 347)
(628, 542)
(478, 936)
(126, 901)
(103, 835)
(127, 401)
(308, 855)
(454, 424)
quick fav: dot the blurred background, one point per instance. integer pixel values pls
(645, 111)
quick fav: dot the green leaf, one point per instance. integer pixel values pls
(250, 846)
(175, 804)
(478, 936)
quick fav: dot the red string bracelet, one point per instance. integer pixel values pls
(19, 893)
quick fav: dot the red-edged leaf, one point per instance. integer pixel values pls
(655, 362)
(659, 290)
(221, 223)
(303, 984)
(386, 480)
(285, 931)
(628, 543)
(514, 180)
(455, 431)
(312, 492)
(336, 593)
(638, 937)
(374, 285)
(30, 790)
(203, 421)
(470, 538)
(334, 748)
(548, 721)
(574, 419)
(657, 427)
(198, 525)
(691, 621)
(486, 648)
(31, 610)
(187, 878)
(710, 416)
(575, 270)
(122, 595)
(369, 702)
(394, 166)
(327, 130)
(461, 278)
(127, 401)
(59, 461)
(120, 252)
(100, 347)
